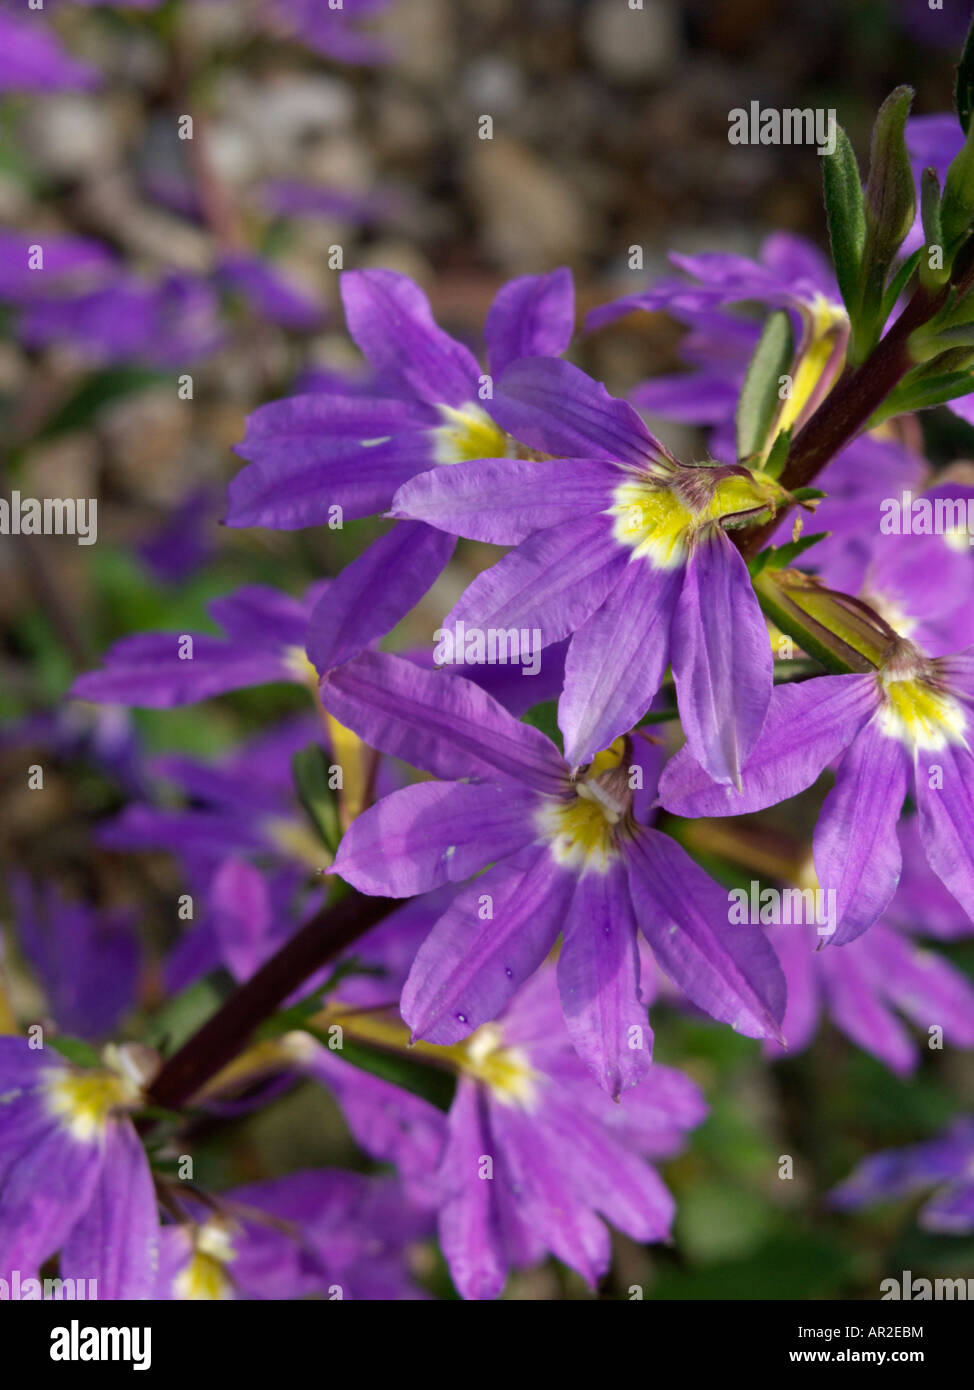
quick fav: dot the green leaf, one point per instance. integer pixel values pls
(311, 770)
(921, 393)
(759, 400)
(846, 216)
(778, 455)
(433, 1085)
(777, 556)
(964, 82)
(82, 1054)
(182, 1016)
(957, 205)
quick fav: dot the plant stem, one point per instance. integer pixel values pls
(211, 1047)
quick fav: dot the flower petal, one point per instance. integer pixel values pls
(598, 978)
(807, 726)
(441, 723)
(945, 798)
(433, 833)
(722, 662)
(116, 1240)
(532, 316)
(727, 969)
(494, 935)
(857, 851)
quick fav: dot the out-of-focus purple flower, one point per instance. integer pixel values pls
(623, 548)
(945, 1163)
(334, 31)
(908, 723)
(66, 264)
(861, 987)
(274, 296)
(33, 60)
(264, 641)
(569, 855)
(184, 542)
(321, 1233)
(75, 1178)
(106, 737)
(87, 960)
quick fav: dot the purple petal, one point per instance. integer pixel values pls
(552, 582)
(441, 723)
(722, 662)
(391, 321)
(616, 661)
(947, 818)
(855, 1003)
(598, 977)
(555, 408)
(504, 501)
(469, 1228)
(727, 969)
(146, 670)
(433, 833)
(116, 1240)
(807, 726)
(363, 604)
(532, 316)
(857, 852)
(495, 934)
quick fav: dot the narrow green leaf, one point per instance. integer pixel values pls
(759, 400)
(82, 1054)
(778, 455)
(964, 82)
(922, 393)
(310, 769)
(845, 214)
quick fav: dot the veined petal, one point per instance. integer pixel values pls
(433, 833)
(391, 321)
(470, 1229)
(116, 1240)
(557, 409)
(375, 591)
(858, 1009)
(441, 723)
(722, 662)
(553, 581)
(503, 501)
(806, 727)
(945, 798)
(727, 969)
(532, 316)
(494, 935)
(287, 492)
(857, 851)
(147, 670)
(598, 978)
(616, 661)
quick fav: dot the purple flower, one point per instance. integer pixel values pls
(319, 1233)
(319, 458)
(908, 723)
(944, 1163)
(569, 855)
(860, 987)
(73, 1173)
(532, 1154)
(622, 546)
(265, 634)
(88, 961)
(333, 31)
(32, 59)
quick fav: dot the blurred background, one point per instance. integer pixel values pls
(212, 257)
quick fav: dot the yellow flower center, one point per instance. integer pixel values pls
(655, 518)
(506, 1070)
(582, 829)
(84, 1101)
(921, 716)
(467, 433)
(205, 1277)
